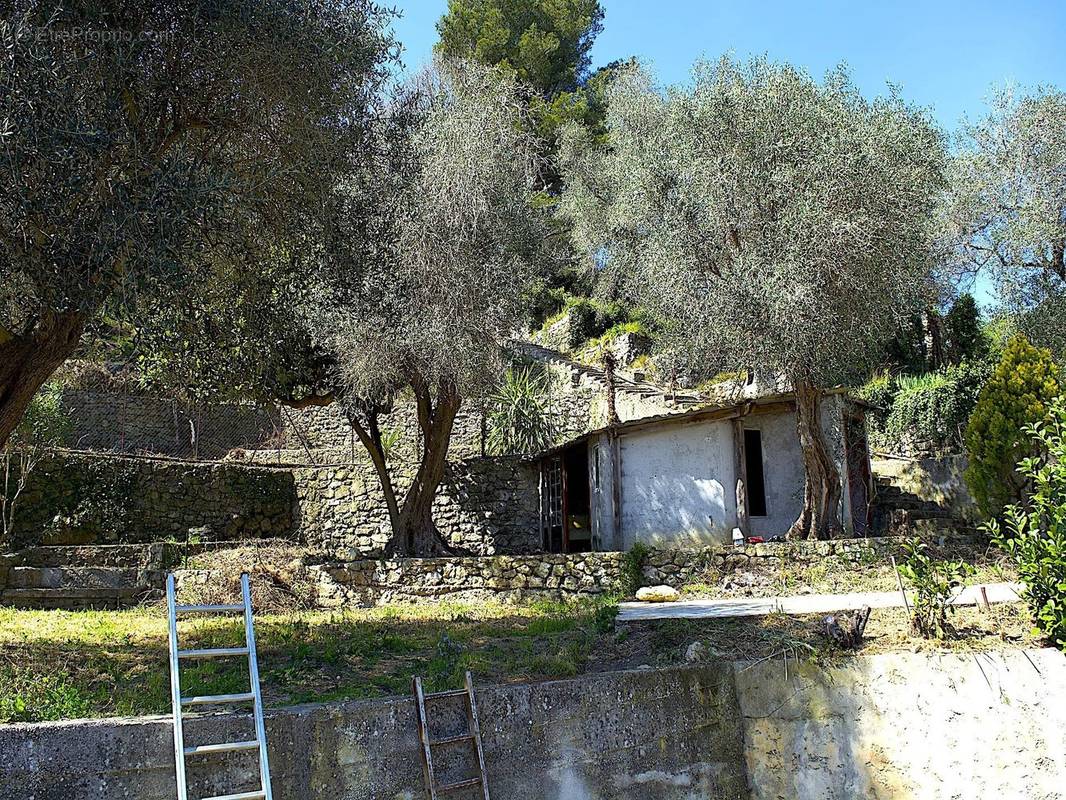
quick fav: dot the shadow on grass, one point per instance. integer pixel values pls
(303, 656)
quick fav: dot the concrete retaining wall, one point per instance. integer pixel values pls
(650, 735)
(908, 725)
(901, 725)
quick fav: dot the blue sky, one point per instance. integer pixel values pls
(944, 55)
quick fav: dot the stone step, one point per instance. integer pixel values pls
(78, 598)
(82, 578)
(134, 556)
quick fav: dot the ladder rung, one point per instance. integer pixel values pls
(451, 787)
(256, 795)
(465, 737)
(211, 699)
(227, 747)
(449, 693)
(224, 609)
(217, 652)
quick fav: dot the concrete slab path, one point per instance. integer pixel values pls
(800, 604)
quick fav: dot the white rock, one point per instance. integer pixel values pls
(658, 594)
(696, 652)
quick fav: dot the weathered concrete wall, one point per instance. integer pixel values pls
(644, 735)
(484, 506)
(888, 727)
(782, 471)
(908, 725)
(938, 480)
(677, 485)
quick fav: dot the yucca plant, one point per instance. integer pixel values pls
(520, 420)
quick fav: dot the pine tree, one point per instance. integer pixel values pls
(1019, 393)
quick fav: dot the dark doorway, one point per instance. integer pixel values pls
(552, 510)
(756, 480)
(566, 501)
(857, 450)
(577, 499)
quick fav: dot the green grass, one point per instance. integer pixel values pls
(65, 664)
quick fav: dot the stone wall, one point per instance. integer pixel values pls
(502, 578)
(77, 498)
(484, 506)
(936, 480)
(643, 735)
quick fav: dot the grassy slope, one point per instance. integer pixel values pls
(58, 665)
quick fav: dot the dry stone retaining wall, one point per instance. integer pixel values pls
(484, 506)
(503, 578)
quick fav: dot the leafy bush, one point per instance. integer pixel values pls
(927, 408)
(520, 420)
(633, 569)
(1034, 534)
(935, 584)
(590, 318)
(29, 697)
(1025, 383)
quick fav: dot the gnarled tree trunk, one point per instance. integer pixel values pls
(28, 359)
(820, 517)
(415, 533)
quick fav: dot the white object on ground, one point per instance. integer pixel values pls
(802, 604)
(657, 594)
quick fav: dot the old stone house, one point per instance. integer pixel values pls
(688, 479)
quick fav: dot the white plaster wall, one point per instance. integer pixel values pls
(921, 726)
(678, 485)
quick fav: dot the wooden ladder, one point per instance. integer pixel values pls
(472, 736)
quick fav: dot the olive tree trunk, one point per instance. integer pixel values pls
(413, 531)
(820, 517)
(29, 359)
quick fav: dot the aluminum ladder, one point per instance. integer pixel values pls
(472, 737)
(254, 696)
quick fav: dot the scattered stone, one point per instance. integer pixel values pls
(696, 652)
(658, 594)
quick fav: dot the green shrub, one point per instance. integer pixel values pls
(934, 584)
(927, 408)
(1034, 534)
(633, 569)
(1025, 383)
(520, 420)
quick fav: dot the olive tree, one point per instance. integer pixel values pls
(408, 290)
(770, 221)
(140, 139)
(426, 288)
(1005, 213)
